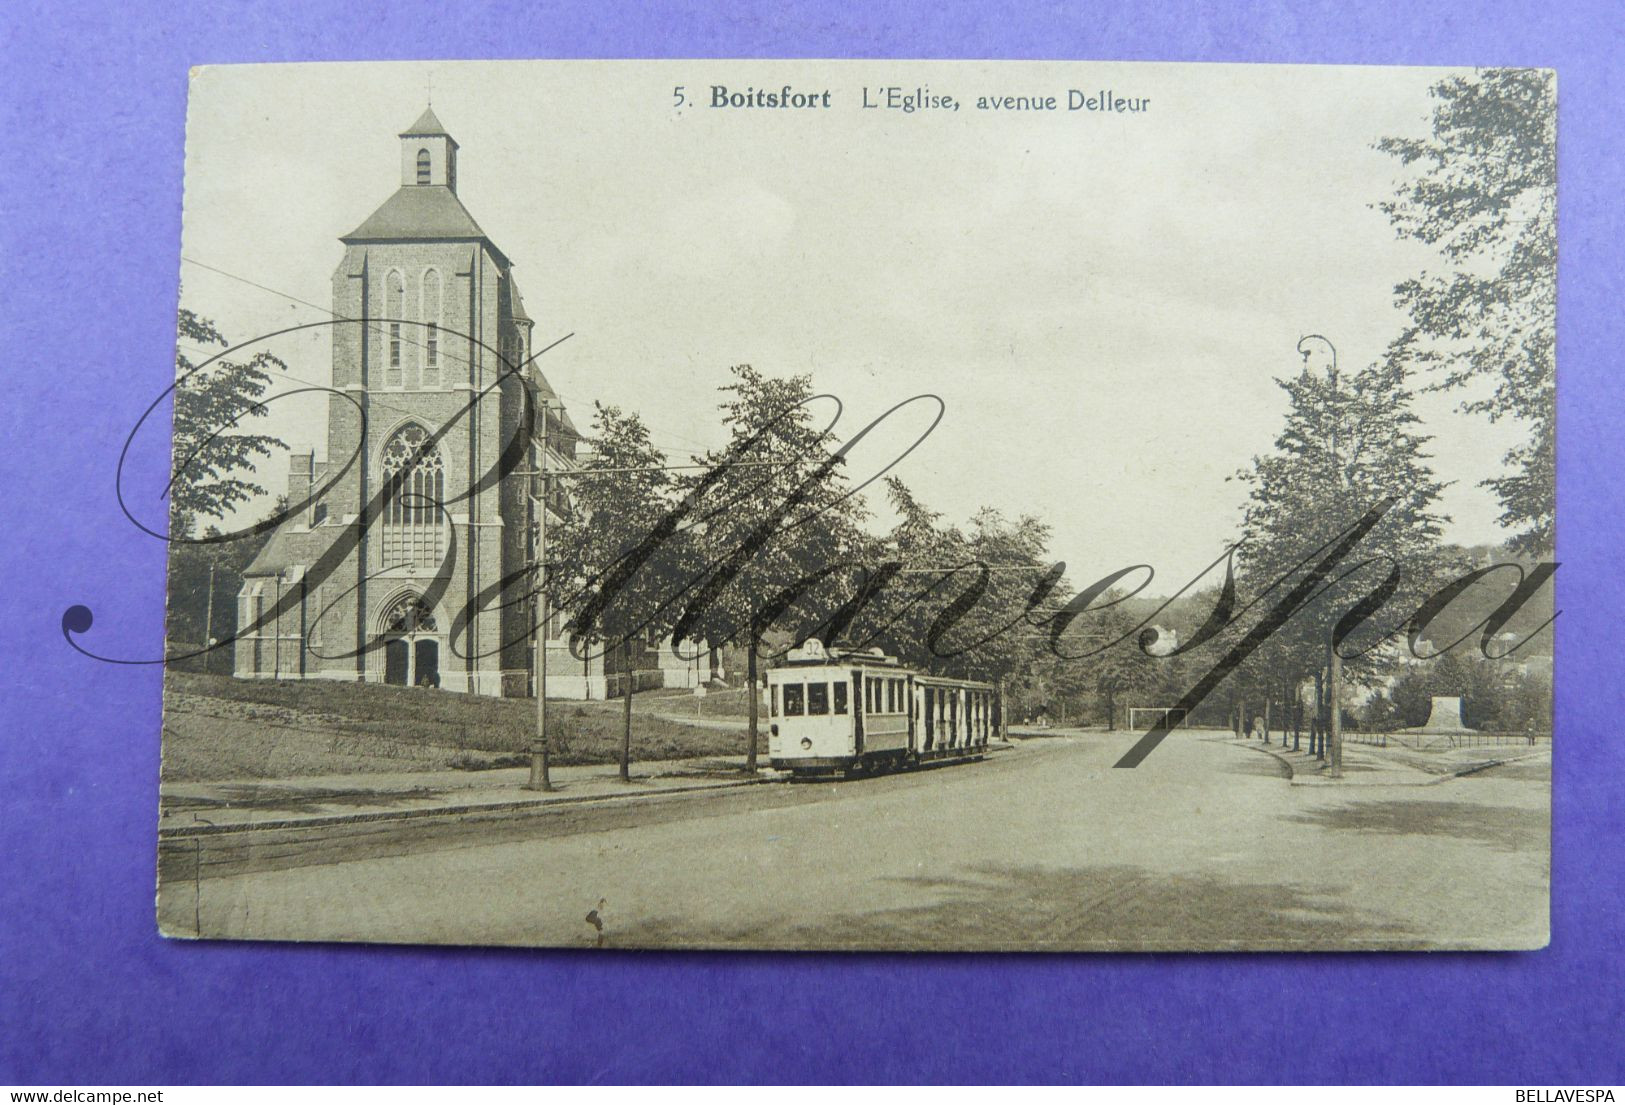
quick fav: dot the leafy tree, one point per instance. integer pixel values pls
(975, 589)
(1484, 194)
(210, 477)
(1124, 673)
(1381, 716)
(192, 569)
(213, 458)
(1492, 697)
(997, 636)
(968, 602)
(620, 496)
(1265, 682)
(920, 548)
(775, 524)
(1526, 705)
(1349, 444)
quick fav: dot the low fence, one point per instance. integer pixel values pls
(1430, 742)
(643, 679)
(1418, 742)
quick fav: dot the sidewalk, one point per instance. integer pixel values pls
(206, 808)
(194, 809)
(1394, 765)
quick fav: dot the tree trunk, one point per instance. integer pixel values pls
(1297, 717)
(754, 707)
(626, 715)
(1317, 732)
(1334, 703)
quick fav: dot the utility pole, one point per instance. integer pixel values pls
(539, 776)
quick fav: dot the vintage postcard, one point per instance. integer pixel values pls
(861, 505)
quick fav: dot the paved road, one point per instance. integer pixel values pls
(1203, 845)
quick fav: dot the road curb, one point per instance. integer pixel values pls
(189, 831)
(1473, 769)
(1294, 779)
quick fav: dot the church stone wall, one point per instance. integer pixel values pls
(490, 652)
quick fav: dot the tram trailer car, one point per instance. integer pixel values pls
(832, 710)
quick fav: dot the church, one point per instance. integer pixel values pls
(413, 566)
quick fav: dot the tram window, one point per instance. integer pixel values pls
(792, 700)
(891, 696)
(840, 698)
(773, 703)
(818, 698)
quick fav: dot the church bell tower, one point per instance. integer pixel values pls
(428, 154)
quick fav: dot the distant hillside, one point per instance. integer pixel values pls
(1189, 611)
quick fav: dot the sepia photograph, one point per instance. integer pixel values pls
(859, 506)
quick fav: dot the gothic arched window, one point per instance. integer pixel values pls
(423, 166)
(413, 530)
(394, 313)
(410, 615)
(430, 315)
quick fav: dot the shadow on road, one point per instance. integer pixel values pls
(1505, 828)
(1117, 908)
(1260, 766)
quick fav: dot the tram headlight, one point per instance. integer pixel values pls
(806, 742)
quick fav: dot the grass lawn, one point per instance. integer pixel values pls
(217, 727)
(728, 703)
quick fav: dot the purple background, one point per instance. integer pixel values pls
(93, 103)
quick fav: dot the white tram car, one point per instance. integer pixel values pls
(832, 710)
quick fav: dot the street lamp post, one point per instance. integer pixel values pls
(208, 619)
(1334, 662)
(541, 746)
(540, 778)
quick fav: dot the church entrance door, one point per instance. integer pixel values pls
(411, 644)
(397, 661)
(426, 666)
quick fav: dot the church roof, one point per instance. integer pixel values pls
(427, 126)
(292, 546)
(419, 211)
(424, 212)
(517, 301)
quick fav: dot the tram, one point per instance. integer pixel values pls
(838, 711)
